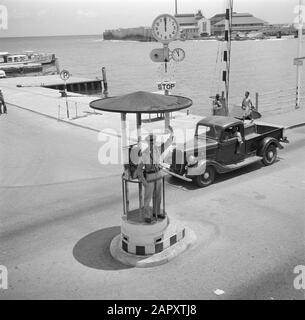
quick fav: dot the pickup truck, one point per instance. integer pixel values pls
(222, 144)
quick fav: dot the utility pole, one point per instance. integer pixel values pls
(176, 7)
(299, 62)
(227, 52)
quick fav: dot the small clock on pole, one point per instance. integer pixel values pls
(178, 54)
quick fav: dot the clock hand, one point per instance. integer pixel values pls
(165, 24)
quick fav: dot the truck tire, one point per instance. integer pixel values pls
(206, 178)
(270, 155)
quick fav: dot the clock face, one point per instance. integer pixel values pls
(178, 54)
(165, 28)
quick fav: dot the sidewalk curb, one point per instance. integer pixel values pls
(54, 118)
(294, 126)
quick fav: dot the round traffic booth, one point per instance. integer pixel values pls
(142, 243)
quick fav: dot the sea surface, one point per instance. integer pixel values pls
(263, 66)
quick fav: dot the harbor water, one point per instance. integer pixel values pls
(263, 66)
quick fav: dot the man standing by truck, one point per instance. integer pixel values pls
(247, 106)
(218, 106)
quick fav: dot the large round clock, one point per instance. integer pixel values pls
(165, 28)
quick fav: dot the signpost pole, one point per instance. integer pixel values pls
(166, 56)
(67, 106)
(299, 64)
(65, 75)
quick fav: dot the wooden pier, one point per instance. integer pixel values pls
(74, 84)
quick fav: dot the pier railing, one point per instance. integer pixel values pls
(73, 110)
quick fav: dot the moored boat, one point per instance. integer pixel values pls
(43, 58)
(24, 63)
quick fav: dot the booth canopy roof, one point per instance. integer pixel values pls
(142, 102)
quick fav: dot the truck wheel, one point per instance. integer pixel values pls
(270, 155)
(206, 178)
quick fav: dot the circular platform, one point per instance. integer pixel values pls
(152, 260)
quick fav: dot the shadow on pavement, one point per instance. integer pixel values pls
(93, 250)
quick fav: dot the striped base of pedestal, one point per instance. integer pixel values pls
(152, 248)
(161, 253)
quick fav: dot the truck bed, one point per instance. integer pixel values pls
(255, 133)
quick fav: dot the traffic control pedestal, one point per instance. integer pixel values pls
(144, 244)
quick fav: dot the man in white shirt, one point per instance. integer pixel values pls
(247, 105)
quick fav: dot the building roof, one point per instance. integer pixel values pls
(242, 18)
(186, 19)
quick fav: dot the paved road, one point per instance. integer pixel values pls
(60, 209)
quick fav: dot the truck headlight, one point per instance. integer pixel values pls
(191, 161)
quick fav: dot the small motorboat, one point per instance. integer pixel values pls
(18, 63)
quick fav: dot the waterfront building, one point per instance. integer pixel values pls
(193, 25)
(241, 23)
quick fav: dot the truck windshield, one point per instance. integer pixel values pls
(209, 132)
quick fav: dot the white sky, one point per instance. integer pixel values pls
(75, 17)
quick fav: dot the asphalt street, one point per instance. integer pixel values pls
(60, 208)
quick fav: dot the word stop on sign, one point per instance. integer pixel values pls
(166, 85)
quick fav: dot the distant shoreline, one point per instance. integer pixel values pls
(54, 36)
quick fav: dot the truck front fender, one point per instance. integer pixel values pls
(199, 169)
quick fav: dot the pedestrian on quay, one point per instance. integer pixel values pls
(247, 106)
(2, 103)
(217, 105)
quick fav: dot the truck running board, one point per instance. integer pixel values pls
(241, 164)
